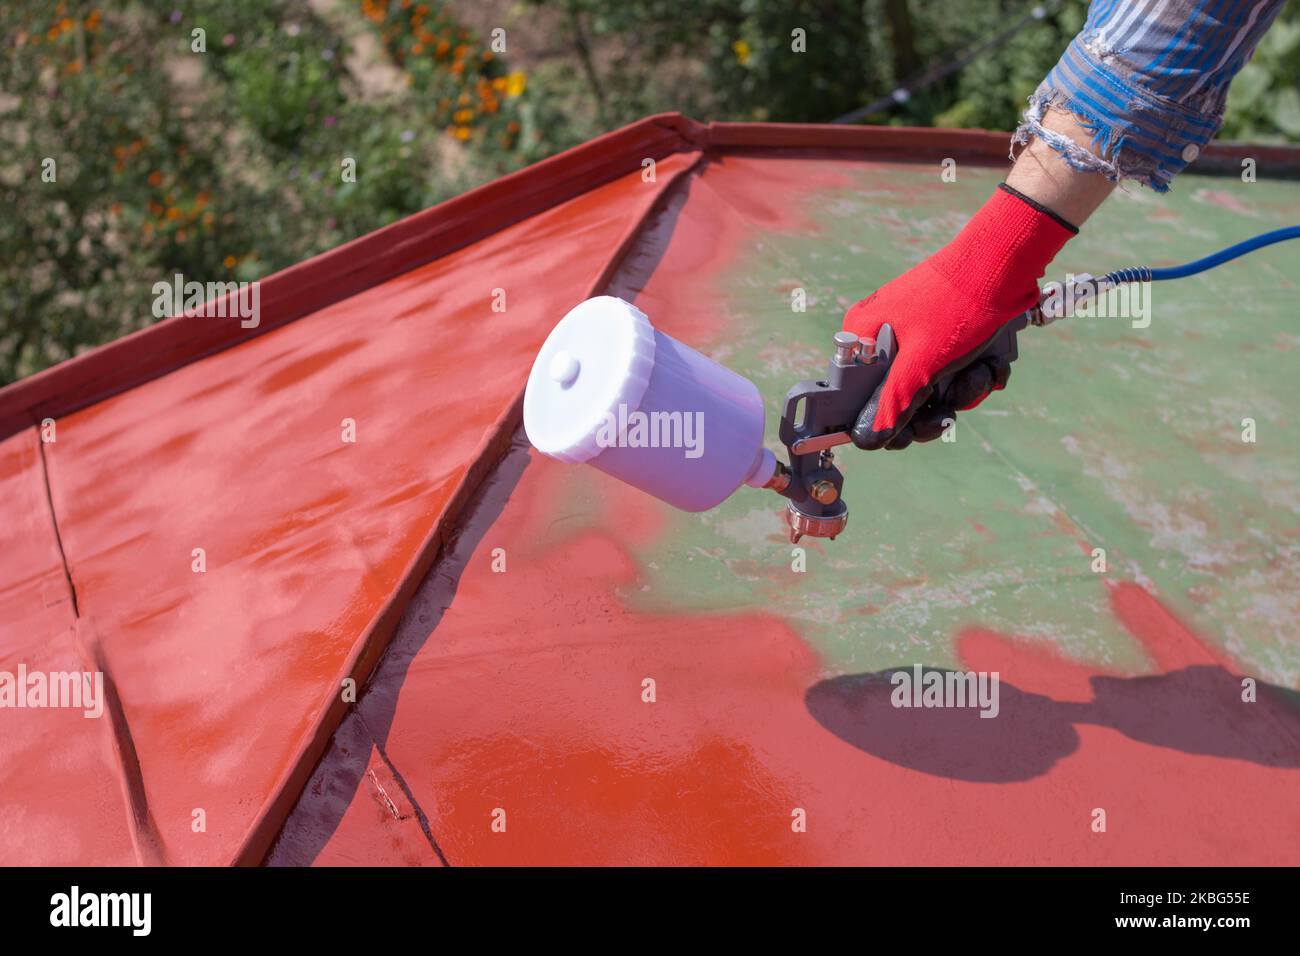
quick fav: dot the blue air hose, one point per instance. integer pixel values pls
(1147, 274)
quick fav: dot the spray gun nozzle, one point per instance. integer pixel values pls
(780, 479)
(827, 525)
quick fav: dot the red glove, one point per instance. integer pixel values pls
(946, 309)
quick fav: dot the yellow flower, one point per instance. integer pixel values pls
(516, 83)
(741, 49)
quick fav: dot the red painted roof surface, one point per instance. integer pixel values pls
(515, 691)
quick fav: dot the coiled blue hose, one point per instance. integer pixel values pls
(1147, 274)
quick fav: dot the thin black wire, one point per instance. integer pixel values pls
(1037, 14)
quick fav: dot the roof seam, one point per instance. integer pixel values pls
(374, 642)
(420, 815)
(54, 523)
(145, 841)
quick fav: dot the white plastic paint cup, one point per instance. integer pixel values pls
(609, 390)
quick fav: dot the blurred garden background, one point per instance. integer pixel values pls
(225, 163)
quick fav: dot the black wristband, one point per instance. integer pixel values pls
(1039, 206)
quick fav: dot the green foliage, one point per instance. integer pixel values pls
(1264, 99)
(991, 92)
(230, 163)
(224, 164)
(283, 97)
(464, 85)
(733, 59)
(103, 182)
(788, 59)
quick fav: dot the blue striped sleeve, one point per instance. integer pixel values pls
(1149, 79)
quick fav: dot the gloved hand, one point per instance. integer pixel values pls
(944, 311)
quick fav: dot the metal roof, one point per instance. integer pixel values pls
(518, 694)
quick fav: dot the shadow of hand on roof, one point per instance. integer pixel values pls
(1196, 710)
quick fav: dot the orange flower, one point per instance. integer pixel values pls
(229, 262)
(462, 133)
(155, 179)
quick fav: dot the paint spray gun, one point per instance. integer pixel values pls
(821, 415)
(609, 389)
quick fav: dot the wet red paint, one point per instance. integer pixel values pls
(527, 699)
(585, 770)
(224, 675)
(50, 759)
(34, 596)
(524, 697)
(733, 200)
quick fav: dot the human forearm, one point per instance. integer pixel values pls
(1038, 173)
